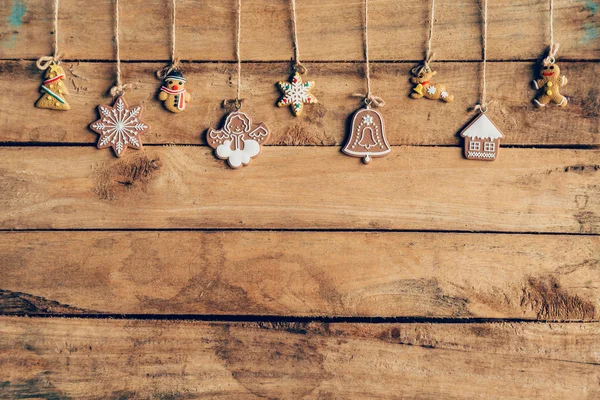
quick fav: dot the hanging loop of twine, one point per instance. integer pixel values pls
(298, 66)
(551, 59)
(44, 62)
(370, 100)
(175, 62)
(482, 106)
(119, 89)
(165, 71)
(233, 104)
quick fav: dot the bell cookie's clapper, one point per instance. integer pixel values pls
(53, 90)
(173, 93)
(548, 84)
(424, 87)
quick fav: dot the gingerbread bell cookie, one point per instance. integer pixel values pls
(425, 87)
(173, 93)
(53, 89)
(548, 85)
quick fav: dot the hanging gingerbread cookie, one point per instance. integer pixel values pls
(550, 80)
(296, 92)
(53, 87)
(425, 87)
(119, 126)
(238, 141)
(173, 93)
(367, 132)
(422, 78)
(548, 85)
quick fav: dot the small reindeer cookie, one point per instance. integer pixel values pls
(174, 94)
(548, 84)
(424, 87)
(53, 90)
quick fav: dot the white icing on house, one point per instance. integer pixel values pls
(482, 128)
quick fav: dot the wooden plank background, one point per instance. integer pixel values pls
(307, 275)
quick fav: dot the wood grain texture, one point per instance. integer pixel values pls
(112, 359)
(328, 30)
(416, 188)
(408, 121)
(297, 273)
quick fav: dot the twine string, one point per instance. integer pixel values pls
(369, 98)
(551, 59)
(429, 54)
(237, 52)
(483, 105)
(298, 66)
(45, 61)
(175, 62)
(119, 88)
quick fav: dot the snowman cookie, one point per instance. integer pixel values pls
(173, 93)
(53, 90)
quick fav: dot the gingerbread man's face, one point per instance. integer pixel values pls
(175, 84)
(422, 75)
(550, 72)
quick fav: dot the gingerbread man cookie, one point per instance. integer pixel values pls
(422, 76)
(53, 90)
(174, 94)
(549, 84)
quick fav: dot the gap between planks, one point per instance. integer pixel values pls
(285, 319)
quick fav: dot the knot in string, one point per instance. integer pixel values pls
(174, 66)
(551, 59)
(370, 100)
(233, 103)
(119, 89)
(300, 68)
(45, 62)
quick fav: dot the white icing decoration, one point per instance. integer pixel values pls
(237, 157)
(296, 93)
(482, 128)
(444, 94)
(431, 90)
(119, 126)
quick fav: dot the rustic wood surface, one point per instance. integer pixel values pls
(416, 188)
(295, 273)
(306, 275)
(90, 359)
(408, 121)
(328, 30)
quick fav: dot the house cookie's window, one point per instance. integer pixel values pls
(475, 146)
(489, 147)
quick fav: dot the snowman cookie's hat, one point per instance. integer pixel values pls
(175, 75)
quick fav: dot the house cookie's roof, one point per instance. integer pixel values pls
(482, 128)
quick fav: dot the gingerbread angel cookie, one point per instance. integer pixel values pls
(173, 93)
(424, 87)
(53, 90)
(548, 85)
